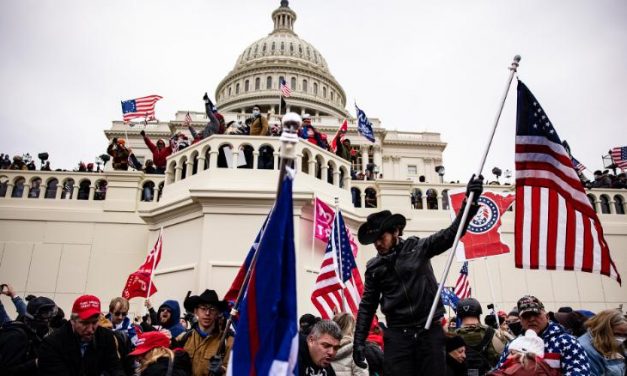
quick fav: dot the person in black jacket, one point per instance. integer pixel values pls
(20, 339)
(401, 279)
(80, 347)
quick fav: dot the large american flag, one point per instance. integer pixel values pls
(143, 107)
(337, 288)
(285, 88)
(462, 286)
(188, 120)
(619, 157)
(556, 226)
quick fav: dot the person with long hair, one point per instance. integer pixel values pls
(155, 358)
(343, 364)
(605, 342)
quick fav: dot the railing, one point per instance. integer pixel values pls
(255, 153)
(71, 185)
(423, 196)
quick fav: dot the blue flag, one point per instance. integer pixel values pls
(449, 298)
(267, 333)
(364, 126)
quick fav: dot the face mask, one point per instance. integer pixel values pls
(256, 113)
(515, 327)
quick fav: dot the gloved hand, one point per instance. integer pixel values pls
(215, 366)
(359, 356)
(475, 185)
(207, 100)
(143, 133)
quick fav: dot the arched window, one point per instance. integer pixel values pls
(291, 48)
(101, 190)
(83, 190)
(315, 88)
(293, 83)
(445, 203)
(416, 199)
(229, 91)
(257, 83)
(605, 204)
(371, 198)
(592, 199)
(160, 191)
(282, 46)
(304, 86)
(273, 47)
(266, 158)
(237, 88)
(51, 188)
(148, 191)
(269, 82)
(619, 204)
(246, 85)
(432, 199)
(35, 188)
(263, 49)
(18, 188)
(68, 189)
(356, 196)
(4, 185)
(324, 92)
(332, 95)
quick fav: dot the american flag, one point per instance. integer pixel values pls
(333, 292)
(143, 107)
(619, 157)
(555, 226)
(285, 89)
(188, 120)
(462, 286)
(579, 167)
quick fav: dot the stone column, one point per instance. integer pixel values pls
(213, 159)
(9, 193)
(336, 177)
(256, 159)
(612, 206)
(57, 194)
(92, 192)
(276, 159)
(190, 168)
(75, 191)
(362, 199)
(378, 159)
(312, 166)
(42, 190)
(178, 172)
(25, 191)
(201, 163)
(235, 158)
(364, 157)
(324, 169)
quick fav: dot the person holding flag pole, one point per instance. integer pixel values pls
(513, 69)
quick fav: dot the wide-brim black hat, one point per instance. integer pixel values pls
(207, 297)
(378, 223)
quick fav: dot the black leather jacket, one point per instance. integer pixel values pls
(403, 282)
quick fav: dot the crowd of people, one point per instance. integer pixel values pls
(95, 340)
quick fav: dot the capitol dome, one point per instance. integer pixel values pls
(281, 55)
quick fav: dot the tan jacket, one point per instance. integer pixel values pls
(343, 364)
(200, 350)
(259, 127)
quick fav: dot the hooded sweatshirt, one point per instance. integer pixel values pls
(174, 323)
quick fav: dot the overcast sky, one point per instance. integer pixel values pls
(416, 65)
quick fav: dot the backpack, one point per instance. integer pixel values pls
(476, 359)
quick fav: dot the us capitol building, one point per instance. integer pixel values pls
(64, 242)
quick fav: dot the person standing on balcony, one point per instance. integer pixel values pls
(119, 153)
(159, 152)
(309, 133)
(401, 279)
(259, 126)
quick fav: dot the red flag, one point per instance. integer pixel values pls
(341, 132)
(483, 237)
(324, 221)
(138, 282)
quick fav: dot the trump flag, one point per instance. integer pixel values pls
(139, 283)
(267, 332)
(483, 237)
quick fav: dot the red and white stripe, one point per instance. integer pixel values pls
(188, 120)
(330, 295)
(286, 91)
(556, 226)
(618, 157)
(144, 108)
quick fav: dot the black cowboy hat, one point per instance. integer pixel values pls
(207, 297)
(377, 223)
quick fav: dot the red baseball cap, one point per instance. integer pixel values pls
(86, 306)
(148, 341)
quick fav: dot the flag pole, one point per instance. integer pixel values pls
(336, 235)
(485, 260)
(154, 262)
(313, 233)
(513, 68)
(289, 140)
